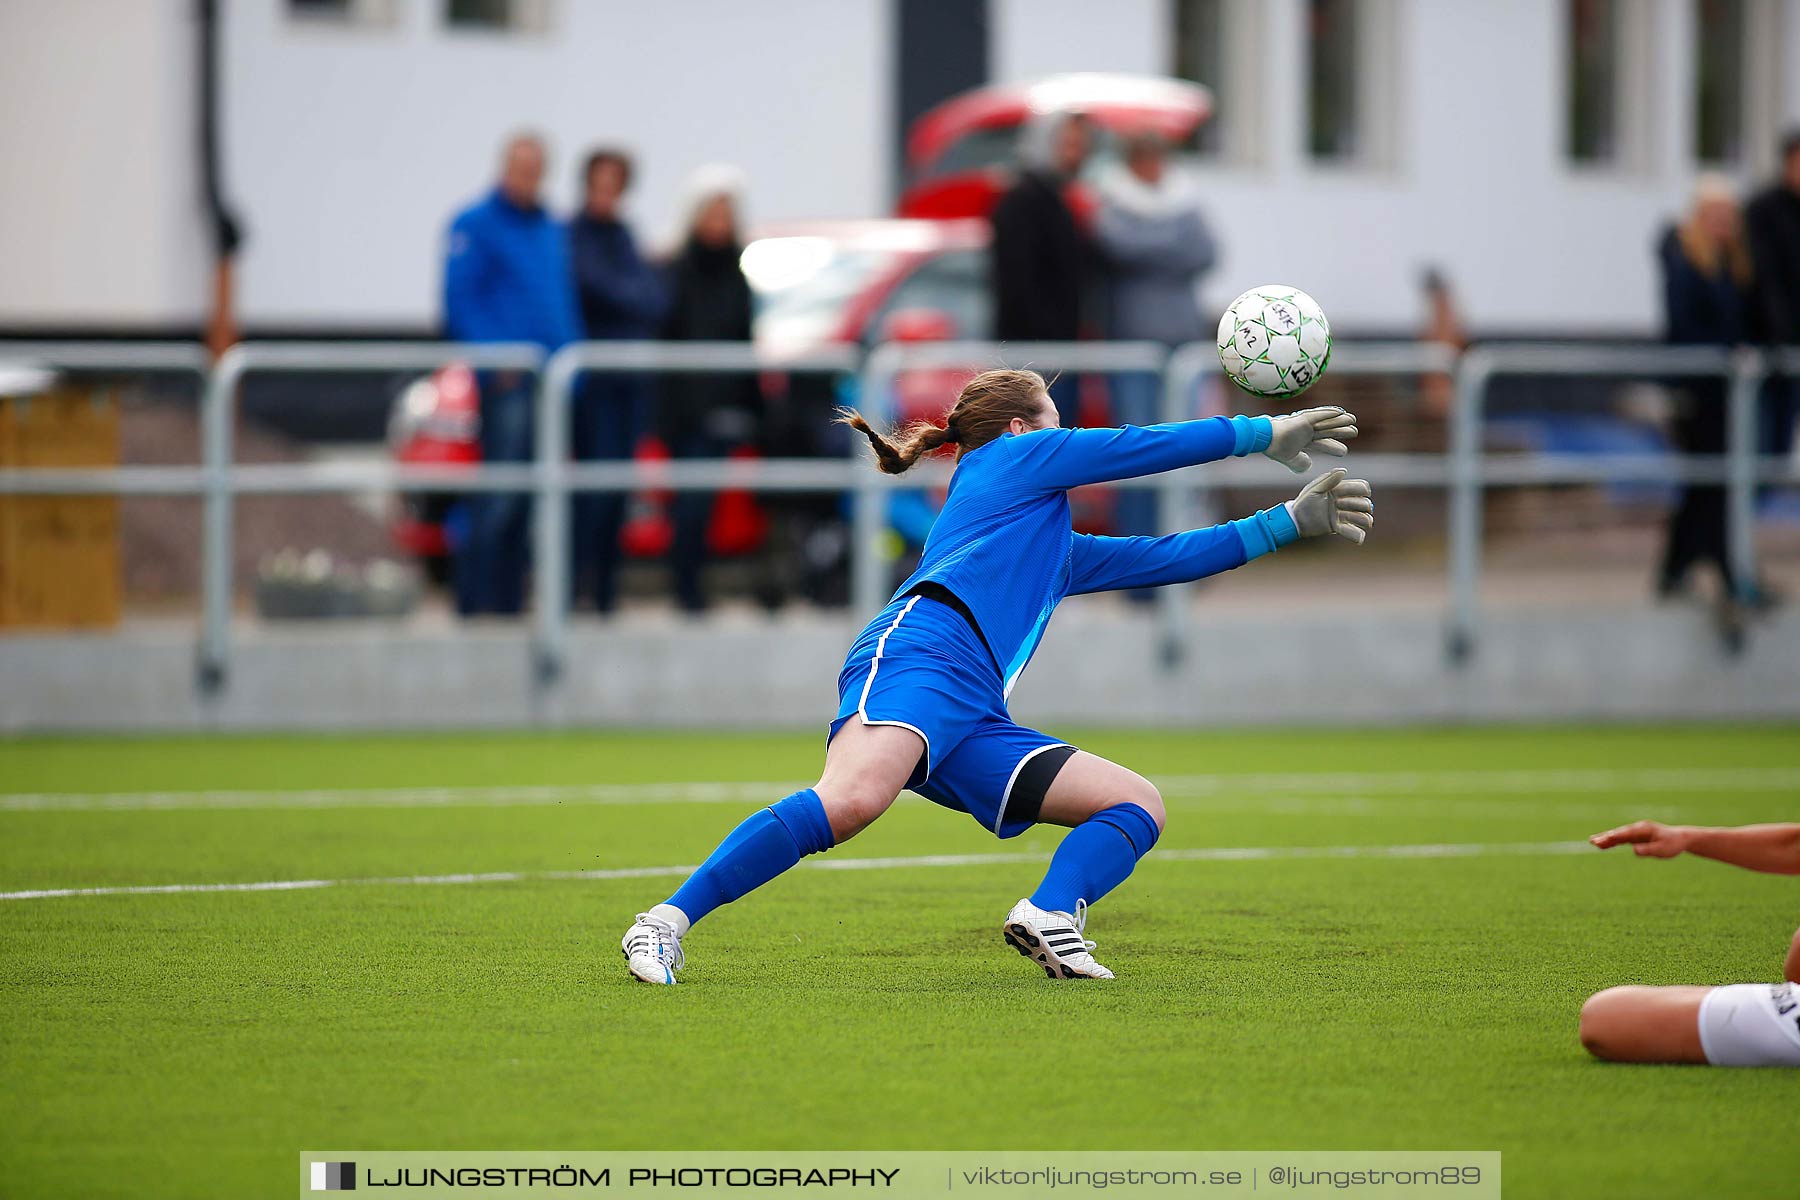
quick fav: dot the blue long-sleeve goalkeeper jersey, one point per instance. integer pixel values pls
(1003, 542)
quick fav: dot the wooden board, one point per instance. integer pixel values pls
(59, 555)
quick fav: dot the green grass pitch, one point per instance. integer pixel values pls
(1345, 1001)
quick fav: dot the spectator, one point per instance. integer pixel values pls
(506, 279)
(622, 298)
(1155, 246)
(705, 415)
(1772, 224)
(1043, 259)
(1706, 278)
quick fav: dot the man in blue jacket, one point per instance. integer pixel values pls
(623, 298)
(506, 279)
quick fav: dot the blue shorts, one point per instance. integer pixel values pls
(920, 665)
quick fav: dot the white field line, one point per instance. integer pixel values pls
(1341, 786)
(403, 797)
(1204, 854)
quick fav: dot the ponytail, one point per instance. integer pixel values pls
(984, 409)
(916, 441)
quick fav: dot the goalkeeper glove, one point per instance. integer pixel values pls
(1334, 504)
(1321, 429)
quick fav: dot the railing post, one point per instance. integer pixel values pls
(1747, 374)
(1177, 499)
(1464, 549)
(218, 410)
(868, 565)
(550, 516)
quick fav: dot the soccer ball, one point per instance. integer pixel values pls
(1274, 342)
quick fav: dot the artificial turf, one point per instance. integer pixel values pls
(201, 1040)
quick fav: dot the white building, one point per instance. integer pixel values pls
(1534, 164)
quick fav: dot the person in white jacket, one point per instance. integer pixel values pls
(1155, 246)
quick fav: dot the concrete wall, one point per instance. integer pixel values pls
(1093, 670)
(347, 148)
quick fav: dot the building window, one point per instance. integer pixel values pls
(1765, 30)
(1593, 65)
(1199, 55)
(1719, 81)
(498, 16)
(1609, 70)
(479, 14)
(1221, 44)
(1353, 79)
(1333, 105)
(347, 13)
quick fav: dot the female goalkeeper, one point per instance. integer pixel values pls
(922, 696)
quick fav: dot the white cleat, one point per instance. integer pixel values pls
(1053, 940)
(652, 950)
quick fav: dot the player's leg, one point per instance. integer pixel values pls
(1089, 784)
(1737, 1025)
(865, 768)
(1115, 815)
(1644, 1024)
(1010, 778)
(1791, 969)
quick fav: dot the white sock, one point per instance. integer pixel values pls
(674, 916)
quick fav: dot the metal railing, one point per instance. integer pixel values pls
(224, 477)
(1467, 471)
(557, 477)
(1472, 472)
(1182, 494)
(182, 359)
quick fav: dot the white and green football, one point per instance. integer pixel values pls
(1274, 342)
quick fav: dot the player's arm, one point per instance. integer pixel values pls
(1067, 458)
(1329, 505)
(1774, 848)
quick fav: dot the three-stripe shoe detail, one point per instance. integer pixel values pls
(1053, 940)
(652, 950)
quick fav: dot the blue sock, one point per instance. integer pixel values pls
(765, 845)
(1096, 857)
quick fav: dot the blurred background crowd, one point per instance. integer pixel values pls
(550, 172)
(1121, 256)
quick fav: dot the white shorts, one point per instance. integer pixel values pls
(1751, 1025)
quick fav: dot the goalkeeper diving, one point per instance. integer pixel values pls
(922, 695)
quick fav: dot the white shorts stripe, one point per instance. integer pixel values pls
(862, 703)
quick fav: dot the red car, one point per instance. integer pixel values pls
(958, 154)
(826, 282)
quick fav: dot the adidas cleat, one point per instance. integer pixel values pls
(1053, 940)
(652, 950)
